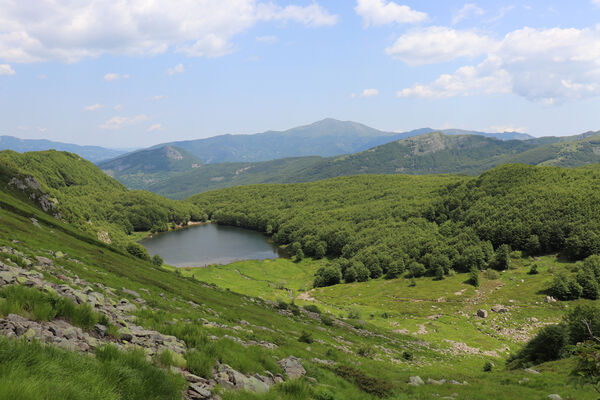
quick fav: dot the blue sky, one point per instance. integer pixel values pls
(135, 73)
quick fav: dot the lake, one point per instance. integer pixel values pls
(201, 245)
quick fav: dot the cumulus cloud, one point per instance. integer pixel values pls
(115, 77)
(369, 93)
(467, 11)
(437, 44)
(69, 31)
(381, 12)
(178, 69)
(6, 69)
(93, 107)
(547, 65)
(120, 122)
(154, 127)
(507, 128)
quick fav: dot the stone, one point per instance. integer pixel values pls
(482, 313)
(550, 299)
(100, 329)
(524, 380)
(415, 381)
(498, 308)
(292, 367)
(202, 391)
(435, 382)
(44, 260)
(531, 371)
(131, 292)
(125, 334)
(554, 396)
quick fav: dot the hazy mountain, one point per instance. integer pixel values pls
(143, 167)
(323, 138)
(497, 135)
(91, 153)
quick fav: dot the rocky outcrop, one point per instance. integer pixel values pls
(292, 367)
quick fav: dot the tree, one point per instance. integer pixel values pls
(502, 258)
(416, 269)
(350, 275)
(137, 250)
(157, 260)
(299, 254)
(532, 246)
(395, 269)
(327, 276)
(474, 277)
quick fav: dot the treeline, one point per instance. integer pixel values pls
(90, 200)
(427, 225)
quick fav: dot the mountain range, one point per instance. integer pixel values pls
(415, 152)
(91, 153)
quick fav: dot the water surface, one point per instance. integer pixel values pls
(202, 245)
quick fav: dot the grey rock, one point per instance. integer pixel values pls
(435, 382)
(131, 292)
(482, 313)
(100, 329)
(498, 308)
(415, 381)
(202, 391)
(292, 367)
(554, 396)
(44, 260)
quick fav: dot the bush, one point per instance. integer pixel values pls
(533, 270)
(137, 250)
(488, 366)
(395, 270)
(305, 337)
(312, 308)
(368, 384)
(474, 277)
(565, 288)
(501, 260)
(328, 276)
(547, 345)
(326, 320)
(157, 260)
(416, 269)
(299, 254)
(366, 351)
(354, 313)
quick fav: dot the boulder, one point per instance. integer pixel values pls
(482, 313)
(44, 260)
(550, 299)
(554, 397)
(100, 329)
(415, 381)
(498, 308)
(292, 367)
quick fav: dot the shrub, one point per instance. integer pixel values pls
(565, 288)
(299, 255)
(474, 277)
(502, 257)
(533, 270)
(416, 269)
(407, 356)
(366, 351)
(305, 337)
(547, 345)
(368, 384)
(312, 308)
(395, 269)
(137, 250)
(328, 276)
(157, 260)
(282, 305)
(326, 320)
(488, 366)
(353, 313)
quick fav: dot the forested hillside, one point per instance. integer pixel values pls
(426, 224)
(77, 191)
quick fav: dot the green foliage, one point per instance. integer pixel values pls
(41, 306)
(35, 372)
(200, 363)
(502, 258)
(326, 320)
(305, 337)
(488, 366)
(533, 270)
(491, 274)
(547, 345)
(157, 260)
(137, 250)
(474, 277)
(368, 384)
(327, 276)
(395, 269)
(312, 308)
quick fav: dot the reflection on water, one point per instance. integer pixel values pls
(202, 245)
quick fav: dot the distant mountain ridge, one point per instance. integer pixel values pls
(91, 153)
(325, 138)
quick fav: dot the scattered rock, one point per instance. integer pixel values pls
(482, 313)
(531, 371)
(415, 381)
(550, 299)
(131, 292)
(554, 397)
(292, 367)
(498, 308)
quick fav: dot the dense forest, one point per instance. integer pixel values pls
(81, 194)
(384, 225)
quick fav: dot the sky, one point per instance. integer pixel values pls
(133, 73)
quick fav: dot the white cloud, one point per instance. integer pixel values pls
(437, 44)
(547, 65)
(115, 77)
(312, 15)
(120, 122)
(93, 107)
(381, 12)
(178, 69)
(596, 2)
(507, 128)
(369, 93)
(42, 129)
(267, 39)
(72, 30)
(6, 69)
(156, 98)
(155, 127)
(468, 10)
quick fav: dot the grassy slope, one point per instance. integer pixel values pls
(101, 263)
